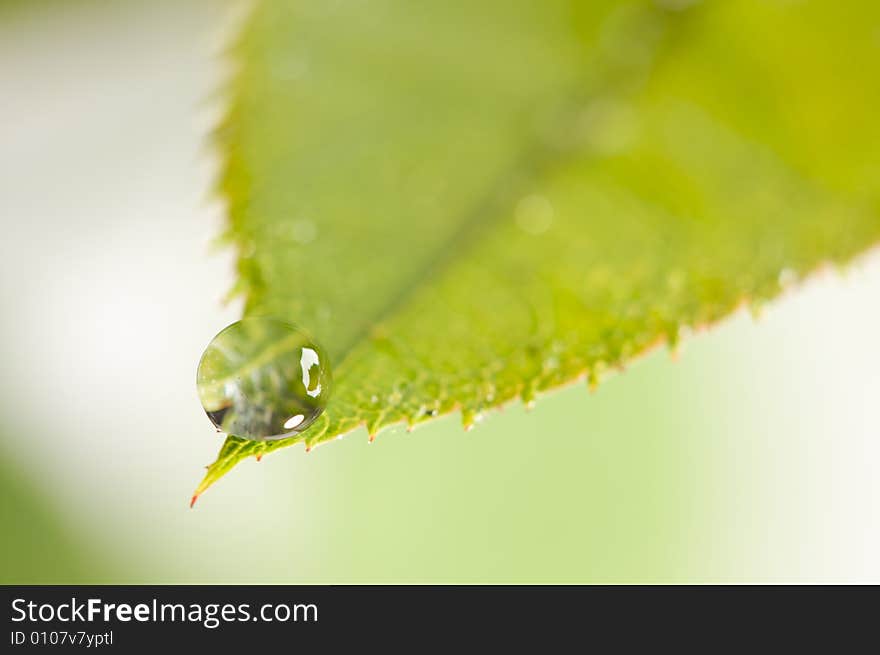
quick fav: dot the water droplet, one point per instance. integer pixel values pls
(608, 126)
(551, 363)
(263, 379)
(534, 214)
(293, 68)
(303, 231)
(675, 280)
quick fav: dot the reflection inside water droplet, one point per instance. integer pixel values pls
(263, 379)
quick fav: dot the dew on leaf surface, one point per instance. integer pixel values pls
(263, 379)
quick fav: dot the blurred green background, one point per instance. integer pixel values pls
(752, 458)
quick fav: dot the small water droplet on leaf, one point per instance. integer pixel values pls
(263, 379)
(534, 214)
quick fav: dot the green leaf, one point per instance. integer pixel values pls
(469, 203)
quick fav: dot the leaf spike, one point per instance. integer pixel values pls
(595, 374)
(193, 500)
(528, 397)
(468, 418)
(673, 342)
(756, 308)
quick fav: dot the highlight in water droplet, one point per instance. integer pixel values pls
(263, 379)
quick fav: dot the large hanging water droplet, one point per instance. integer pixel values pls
(263, 379)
